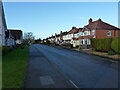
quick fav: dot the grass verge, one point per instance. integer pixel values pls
(14, 67)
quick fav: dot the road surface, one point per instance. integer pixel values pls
(71, 69)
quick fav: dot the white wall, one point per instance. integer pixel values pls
(2, 27)
(10, 41)
(68, 36)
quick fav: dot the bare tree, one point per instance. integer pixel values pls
(28, 37)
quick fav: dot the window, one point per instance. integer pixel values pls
(85, 33)
(108, 33)
(93, 32)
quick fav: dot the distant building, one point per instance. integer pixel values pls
(70, 35)
(16, 36)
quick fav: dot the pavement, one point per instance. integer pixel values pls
(55, 67)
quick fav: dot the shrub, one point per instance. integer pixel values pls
(115, 45)
(77, 46)
(111, 52)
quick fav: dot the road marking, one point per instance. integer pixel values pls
(73, 84)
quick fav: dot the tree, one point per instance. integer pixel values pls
(28, 37)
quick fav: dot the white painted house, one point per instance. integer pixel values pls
(69, 37)
(3, 26)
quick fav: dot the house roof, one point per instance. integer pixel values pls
(99, 24)
(80, 29)
(52, 36)
(64, 33)
(57, 35)
(17, 34)
(73, 30)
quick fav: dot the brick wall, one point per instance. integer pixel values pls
(103, 33)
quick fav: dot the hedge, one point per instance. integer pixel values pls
(101, 44)
(115, 45)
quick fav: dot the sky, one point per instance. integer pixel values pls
(47, 18)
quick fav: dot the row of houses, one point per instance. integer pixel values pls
(9, 37)
(81, 36)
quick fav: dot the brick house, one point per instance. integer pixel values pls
(81, 36)
(98, 29)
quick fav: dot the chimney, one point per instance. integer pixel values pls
(60, 32)
(90, 21)
(73, 27)
(99, 19)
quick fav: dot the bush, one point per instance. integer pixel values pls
(5, 49)
(111, 52)
(115, 45)
(77, 46)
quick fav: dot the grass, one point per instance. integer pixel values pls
(14, 68)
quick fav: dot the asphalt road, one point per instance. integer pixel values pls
(79, 70)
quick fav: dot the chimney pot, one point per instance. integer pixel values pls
(99, 19)
(90, 21)
(60, 32)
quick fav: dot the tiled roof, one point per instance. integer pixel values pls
(80, 29)
(73, 30)
(64, 33)
(99, 24)
(57, 35)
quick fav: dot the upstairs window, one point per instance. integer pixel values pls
(85, 33)
(93, 32)
(108, 33)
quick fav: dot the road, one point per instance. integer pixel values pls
(79, 70)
